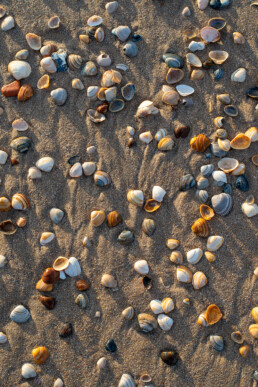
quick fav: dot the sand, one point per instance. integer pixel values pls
(62, 132)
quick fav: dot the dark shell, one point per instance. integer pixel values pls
(147, 282)
(136, 38)
(216, 151)
(217, 342)
(74, 159)
(14, 161)
(148, 226)
(242, 183)
(130, 49)
(21, 144)
(50, 276)
(187, 102)
(82, 284)
(116, 105)
(103, 108)
(208, 64)
(231, 110)
(66, 330)
(7, 227)
(218, 4)
(218, 74)
(113, 219)
(253, 92)
(187, 182)
(125, 237)
(228, 189)
(131, 142)
(128, 91)
(182, 131)
(111, 346)
(173, 60)
(169, 357)
(59, 58)
(217, 22)
(90, 31)
(48, 302)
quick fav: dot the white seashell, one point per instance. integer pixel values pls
(20, 125)
(165, 322)
(239, 75)
(101, 363)
(249, 210)
(239, 170)
(56, 215)
(141, 267)
(199, 280)
(135, 197)
(219, 177)
(122, 32)
(156, 306)
(19, 69)
(92, 92)
(252, 133)
(146, 108)
(3, 338)
(158, 193)
(193, 256)
(28, 371)
(48, 65)
(94, 21)
(8, 23)
(126, 381)
(45, 164)
(146, 137)
(167, 305)
(130, 130)
(62, 275)
(214, 242)
(186, 12)
(110, 93)
(46, 237)
(193, 60)
(196, 46)
(74, 267)
(224, 144)
(108, 281)
(58, 383)
(104, 60)
(76, 170)
(111, 7)
(183, 274)
(161, 133)
(202, 4)
(89, 167)
(128, 313)
(91, 150)
(3, 157)
(3, 261)
(77, 84)
(123, 67)
(227, 164)
(20, 314)
(34, 173)
(59, 96)
(184, 90)
(86, 241)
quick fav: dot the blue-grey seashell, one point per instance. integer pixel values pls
(217, 342)
(222, 203)
(21, 144)
(116, 105)
(128, 91)
(74, 159)
(202, 183)
(255, 375)
(187, 102)
(59, 58)
(207, 156)
(253, 92)
(242, 183)
(231, 110)
(126, 237)
(20, 314)
(228, 189)
(218, 4)
(206, 170)
(187, 182)
(101, 178)
(89, 69)
(59, 96)
(111, 346)
(202, 195)
(216, 151)
(122, 32)
(173, 60)
(130, 49)
(218, 74)
(56, 215)
(136, 38)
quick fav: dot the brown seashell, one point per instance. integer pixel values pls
(113, 219)
(12, 89)
(213, 314)
(82, 284)
(103, 108)
(84, 38)
(199, 280)
(48, 302)
(237, 337)
(5, 204)
(21, 222)
(218, 56)
(206, 212)
(14, 161)
(25, 92)
(44, 287)
(181, 131)
(176, 257)
(131, 142)
(197, 74)
(151, 205)
(200, 143)
(241, 141)
(50, 276)
(174, 75)
(171, 97)
(253, 330)
(201, 228)
(43, 82)
(244, 350)
(40, 355)
(210, 34)
(7, 227)
(66, 330)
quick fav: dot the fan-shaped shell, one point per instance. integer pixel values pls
(238, 38)
(237, 337)
(5, 204)
(73, 268)
(210, 256)
(148, 226)
(184, 274)
(45, 164)
(20, 202)
(200, 143)
(249, 210)
(20, 144)
(81, 301)
(253, 330)
(239, 170)
(196, 46)
(3, 338)
(135, 197)
(97, 218)
(147, 322)
(101, 178)
(174, 75)
(197, 74)
(25, 92)
(239, 75)
(151, 205)
(185, 90)
(122, 32)
(141, 267)
(56, 215)
(34, 41)
(193, 60)
(217, 342)
(219, 177)
(218, 56)
(28, 371)
(146, 137)
(222, 203)
(214, 242)
(252, 133)
(99, 34)
(20, 125)
(210, 34)
(94, 21)
(166, 144)
(199, 280)
(158, 193)
(165, 322)
(160, 134)
(125, 237)
(126, 381)
(202, 320)
(19, 69)
(244, 350)
(167, 305)
(40, 355)
(48, 65)
(201, 228)
(227, 164)
(59, 96)
(92, 92)
(176, 257)
(108, 281)
(171, 97)
(202, 195)
(46, 237)
(187, 182)
(172, 244)
(74, 61)
(130, 49)
(206, 212)
(156, 306)
(193, 256)
(110, 78)
(213, 314)
(20, 314)
(146, 108)
(128, 313)
(113, 219)
(8, 23)
(241, 141)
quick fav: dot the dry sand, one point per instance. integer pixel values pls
(61, 132)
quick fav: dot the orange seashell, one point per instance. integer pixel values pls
(210, 256)
(244, 350)
(151, 205)
(40, 355)
(241, 141)
(44, 287)
(206, 212)
(21, 222)
(200, 143)
(50, 276)
(12, 89)
(5, 204)
(253, 330)
(82, 284)
(20, 202)
(201, 228)
(113, 219)
(213, 314)
(25, 92)
(43, 82)
(255, 160)
(199, 280)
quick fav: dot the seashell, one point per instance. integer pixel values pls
(241, 141)
(206, 170)
(126, 237)
(113, 219)
(21, 222)
(103, 108)
(82, 284)
(176, 257)
(73, 268)
(131, 142)
(185, 90)
(213, 314)
(187, 182)
(104, 60)
(174, 75)
(19, 69)
(224, 98)
(222, 134)
(254, 160)
(34, 41)
(89, 69)
(97, 218)
(66, 330)
(122, 66)
(130, 130)
(217, 151)
(219, 177)
(89, 168)
(59, 96)
(196, 46)
(43, 82)
(231, 110)
(81, 301)
(147, 282)
(254, 314)
(116, 105)
(202, 183)
(193, 256)
(46, 237)
(48, 49)
(50, 276)
(20, 202)
(141, 267)
(44, 287)
(158, 193)
(200, 143)
(7, 227)
(94, 21)
(74, 61)
(92, 92)
(3, 261)
(169, 357)
(214, 242)
(217, 342)
(12, 89)
(217, 22)
(48, 302)
(77, 84)
(252, 133)
(28, 371)
(148, 226)
(111, 7)
(95, 116)
(122, 32)
(249, 210)
(76, 170)
(253, 92)
(250, 199)
(201, 228)
(151, 205)
(242, 183)
(202, 195)
(56, 215)
(171, 97)
(146, 137)
(20, 125)
(173, 60)
(59, 58)
(100, 36)
(101, 363)
(101, 178)
(110, 93)
(145, 378)
(222, 203)
(5, 204)
(3, 338)
(48, 65)
(130, 49)
(2, 12)
(238, 38)
(128, 91)
(218, 56)
(58, 383)
(110, 78)
(206, 212)
(202, 4)
(202, 320)
(40, 355)
(165, 322)
(147, 322)
(172, 244)
(183, 274)
(197, 75)
(20, 314)
(84, 38)
(210, 34)
(218, 74)
(253, 330)
(128, 313)
(193, 60)
(239, 75)
(21, 144)
(146, 108)
(8, 23)
(156, 306)
(210, 256)
(54, 22)
(237, 337)
(166, 144)
(244, 350)
(126, 381)
(108, 281)
(228, 165)
(199, 280)
(167, 305)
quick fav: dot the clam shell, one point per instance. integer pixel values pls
(202, 183)
(222, 204)
(221, 133)
(217, 22)
(141, 267)
(58, 383)
(110, 78)
(183, 274)
(242, 183)
(199, 280)
(99, 35)
(253, 330)
(202, 195)
(20, 125)
(201, 228)
(213, 314)
(34, 41)
(89, 167)
(161, 133)
(174, 75)
(92, 92)
(231, 110)
(253, 92)
(202, 4)
(48, 302)
(185, 90)
(111, 7)
(122, 32)
(128, 91)
(97, 218)
(165, 322)
(193, 60)
(147, 322)
(241, 141)
(3, 338)
(254, 314)
(116, 105)
(130, 49)
(219, 177)
(197, 75)
(50, 276)
(43, 82)
(218, 56)
(5, 204)
(101, 178)
(76, 170)
(187, 182)
(82, 285)
(202, 320)
(95, 116)
(244, 350)
(128, 313)
(176, 257)
(20, 202)
(21, 144)
(196, 46)
(169, 357)
(210, 256)
(135, 197)
(48, 65)
(59, 96)
(121, 66)
(41, 286)
(237, 337)
(56, 215)
(171, 97)
(146, 108)
(158, 193)
(2, 12)
(249, 210)
(54, 22)
(108, 281)
(206, 212)
(167, 305)
(8, 23)
(238, 75)
(217, 342)
(89, 69)
(173, 60)
(20, 314)
(7, 227)
(224, 144)
(84, 38)
(48, 49)
(81, 301)
(238, 38)
(146, 137)
(40, 355)
(61, 263)
(28, 371)
(224, 98)
(113, 219)
(94, 21)
(74, 267)
(214, 242)
(172, 244)
(46, 237)
(166, 143)
(25, 92)
(217, 151)
(104, 60)
(228, 164)
(126, 381)
(148, 226)
(239, 170)
(200, 143)
(101, 363)
(3, 157)
(252, 133)
(151, 205)
(74, 61)
(156, 306)
(193, 256)
(125, 237)
(210, 34)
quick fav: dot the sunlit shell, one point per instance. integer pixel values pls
(217, 22)
(254, 314)
(81, 301)
(241, 141)
(219, 177)
(48, 49)
(97, 218)
(56, 215)
(101, 178)
(167, 305)
(206, 212)
(193, 256)
(161, 133)
(99, 34)
(222, 203)
(244, 350)
(185, 90)
(196, 46)
(147, 322)
(28, 371)
(197, 74)
(201, 228)
(128, 313)
(224, 144)
(172, 244)
(156, 306)
(84, 38)
(3, 157)
(193, 60)
(20, 314)
(200, 143)
(3, 338)
(20, 202)
(126, 381)
(148, 226)
(110, 78)
(199, 280)
(74, 61)
(227, 164)
(43, 82)
(5, 204)
(237, 337)
(59, 96)
(166, 143)
(135, 197)
(217, 342)
(48, 65)
(202, 320)
(130, 130)
(108, 281)
(50, 276)
(210, 34)
(89, 167)
(171, 97)
(19, 69)
(176, 257)
(146, 137)
(214, 242)
(151, 205)
(183, 274)
(60, 264)
(104, 60)
(109, 93)
(158, 193)
(239, 75)
(252, 133)
(77, 84)
(74, 267)
(174, 75)
(210, 256)
(165, 322)
(113, 219)
(94, 21)
(141, 267)
(253, 330)
(249, 210)
(146, 108)
(20, 125)
(54, 22)
(34, 41)
(76, 170)
(40, 355)
(213, 314)
(218, 56)
(238, 38)
(8, 23)
(46, 237)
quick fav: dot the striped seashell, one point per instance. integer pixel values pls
(125, 237)
(238, 38)
(77, 84)
(74, 61)
(201, 228)
(156, 306)
(101, 178)
(217, 342)
(252, 133)
(193, 256)
(254, 314)
(5, 204)
(222, 203)
(244, 350)
(46, 237)
(74, 267)
(97, 218)
(172, 244)
(135, 197)
(113, 219)
(176, 257)
(160, 134)
(41, 286)
(99, 34)
(3, 338)
(20, 314)
(108, 281)
(92, 92)
(167, 305)
(45, 164)
(126, 381)
(202, 195)
(224, 144)
(183, 274)
(128, 313)
(20, 202)
(146, 137)
(40, 355)
(200, 143)
(218, 122)
(141, 267)
(210, 256)
(214, 242)
(166, 144)
(28, 371)
(165, 322)
(202, 320)
(199, 280)
(21, 144)
(147, 322)
(148, 226)
(253, 330)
